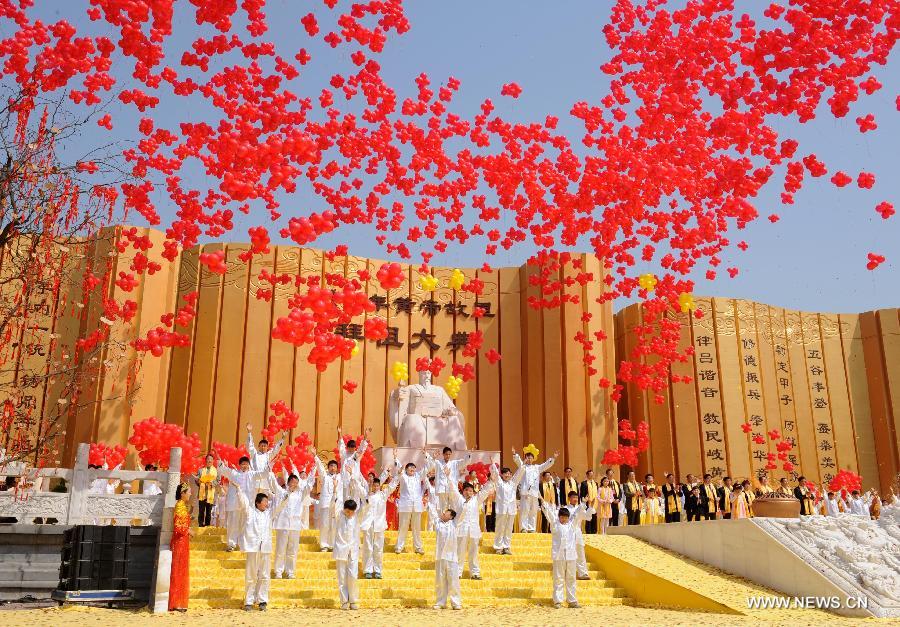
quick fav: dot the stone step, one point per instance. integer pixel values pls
(332, 603)
(393, 578)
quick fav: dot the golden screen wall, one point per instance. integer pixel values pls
(829, 381)
(539, 392)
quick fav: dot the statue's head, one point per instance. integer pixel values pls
(425, 377)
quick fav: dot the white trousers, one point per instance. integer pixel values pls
(528, 507)
(233, 520)
(446, 583)
(564, 579)
(581, 568)
(503, 531)
(286, 544)
(348, 579)
(325, 523)
(467, 547)
(373, 551)
(405, 519)
(256, 578)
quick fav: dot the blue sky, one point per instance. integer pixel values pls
(813, 259)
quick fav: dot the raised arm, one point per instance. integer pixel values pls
(243, 503)
(548, 463)
(276, 449)
(226, 472)
(277, 489)
(485, 494)
(433, 508)
(495, 473)
(517, 478)
(517, 459)
(251, 448)
(342, 447)
(395, 481)
(549, 513)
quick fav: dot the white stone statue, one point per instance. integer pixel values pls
(423, 415)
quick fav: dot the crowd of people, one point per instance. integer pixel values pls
(352, 512)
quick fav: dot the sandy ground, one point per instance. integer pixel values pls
(606, 616)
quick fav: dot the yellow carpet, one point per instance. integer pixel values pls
(522, 579)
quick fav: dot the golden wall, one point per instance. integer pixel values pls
(540, 391)
(831, 382)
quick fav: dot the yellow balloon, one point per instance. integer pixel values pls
(531, 448)
(457, 279)
(648, 281)
(400, 371)
(452, 386)
(687, 302)
(355, 351)
(428, 282)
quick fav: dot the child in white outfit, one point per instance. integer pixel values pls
(374, 524)
(256, 543)
(564, 552)
(505, 484)
(468, 525)
(289, 519)
(446, 571)
(346, 554)
(409, 505)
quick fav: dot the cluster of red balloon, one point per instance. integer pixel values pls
(783, 446)
(676, 151)
(463, 370)
(390, 275)
(153, 440)
(639, 439)
(367, 462)
(298, 453)
(482, 471)
(283, 418)
(111, 456)
(229, 454)
(844, 482)
(432, 365)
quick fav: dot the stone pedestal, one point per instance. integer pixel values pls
(384, 456)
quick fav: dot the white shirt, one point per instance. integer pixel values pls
(245, 482)
(412, 490)
(564, 542)
(468, 513)
(578, 513)
(260, 461)
(442, 483)
(327, 493)
(346, 535)
(257, 534)
(374, 514)
(831, 507)
(290, 504)
(505, 491)
(445, 534)
(350, 463)
(532, 477)
(858, 507)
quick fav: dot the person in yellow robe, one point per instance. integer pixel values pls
(805, 496)
(725, 491)
(740, 506)
(653, 509)
(548, 493)
(207, 480)
(748, 496)
(634, 496)
(671, 494)
(605, 498)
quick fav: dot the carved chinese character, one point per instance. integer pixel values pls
(712, 419)
(403, 305)
(748, 344)
(704, 340)
(715, 454)
(423, 336)
(713, 436)
(379, 301)
(392, 339)
(751, 377)
(485, 309)
(430, 306)
(458, 340)
(820, 403)
(813, 354)
(455, 309)
(823, 428)
(707, 375)
(709, 392)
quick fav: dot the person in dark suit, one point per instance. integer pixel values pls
(725, 498)
(805, 496)
(709, 499)
(634, 498)
(617, 497)
(588, 494)
(693, 504)
(687, 486)
(671, 493)
(567, 484)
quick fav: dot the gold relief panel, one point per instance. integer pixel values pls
(443, 294)
(793, 327)
(187, 273)
(832, 328)
(746, 317)
(725, 323)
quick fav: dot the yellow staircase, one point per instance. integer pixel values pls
(524, 578)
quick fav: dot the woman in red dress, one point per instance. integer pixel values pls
(179, 583)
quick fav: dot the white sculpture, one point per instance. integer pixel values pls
(423, 415)
(861, 556)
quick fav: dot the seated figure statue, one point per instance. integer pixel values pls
(423, 415)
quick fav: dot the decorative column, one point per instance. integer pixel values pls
(159, 589)
(78, 490)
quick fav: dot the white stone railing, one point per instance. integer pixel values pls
(78, 506)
